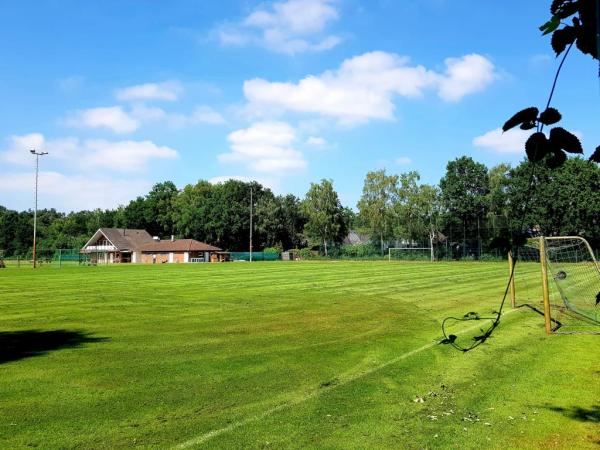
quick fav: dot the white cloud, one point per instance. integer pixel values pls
(265, 147)
(290, 27)
(167, 91)
(224, 178)
(89, 155)
(300, 16)
(231, 36)
(512, 141)
(116, 119)
(364, 87)
(69, 193)
(270, 183)
(540, 60)
(148, 113)
(112, 118)
(122, 156)
(509, 142)
(205, 114)
(315, 141)
(19, 146)
(465, 75)
(201, 115)
(403, 160)
(71, 84)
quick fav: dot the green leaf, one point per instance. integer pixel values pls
(556, 159)
(537, 146)
(567, 9)
(562, 38)
(563, 139)
(528, 126)
(550, 116)
(523, 116)
(596, 155)
(555, 6)
(550, 26)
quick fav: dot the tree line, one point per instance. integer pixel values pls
(473, 209)
(215, 213)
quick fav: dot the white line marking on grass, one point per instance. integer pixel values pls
(342, 381)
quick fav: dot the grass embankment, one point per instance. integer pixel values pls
(283, 355)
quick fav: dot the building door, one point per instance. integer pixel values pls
(171, 257)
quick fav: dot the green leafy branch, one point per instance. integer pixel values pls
(584, 33)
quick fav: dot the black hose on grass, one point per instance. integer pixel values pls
(485, 334)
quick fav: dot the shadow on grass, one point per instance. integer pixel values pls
(577, 413)
(555, 323)
(16, 345)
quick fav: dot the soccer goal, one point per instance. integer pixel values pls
(559, 277)
(411, 254)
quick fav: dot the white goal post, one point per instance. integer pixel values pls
(392, 250)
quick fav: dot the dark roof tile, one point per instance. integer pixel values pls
(179, 245)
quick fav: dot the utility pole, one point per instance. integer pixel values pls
(37, 167)
(251, 205)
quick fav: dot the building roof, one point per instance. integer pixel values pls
(356, 238)
(179, 245)
(124, 239)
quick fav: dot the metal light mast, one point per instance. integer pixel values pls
(37, 167)
(251, 223)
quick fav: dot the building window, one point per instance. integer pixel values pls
(102, 242)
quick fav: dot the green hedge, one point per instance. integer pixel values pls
(359, 251)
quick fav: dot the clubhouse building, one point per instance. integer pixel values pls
(121, 245)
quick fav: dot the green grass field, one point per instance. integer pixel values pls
(304, 355)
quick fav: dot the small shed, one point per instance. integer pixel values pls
(290, 255)
(220, 257)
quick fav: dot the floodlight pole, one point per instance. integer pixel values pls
(251, 223)
(37, 167)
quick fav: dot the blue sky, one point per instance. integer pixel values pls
(124, 94)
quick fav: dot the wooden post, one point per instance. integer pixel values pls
(513, 300)
(545, 292)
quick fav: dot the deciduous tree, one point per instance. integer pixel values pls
(326, 218)
(377, 204)
(465, 189)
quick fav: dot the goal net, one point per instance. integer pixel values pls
(568, 269)
(573, 268)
